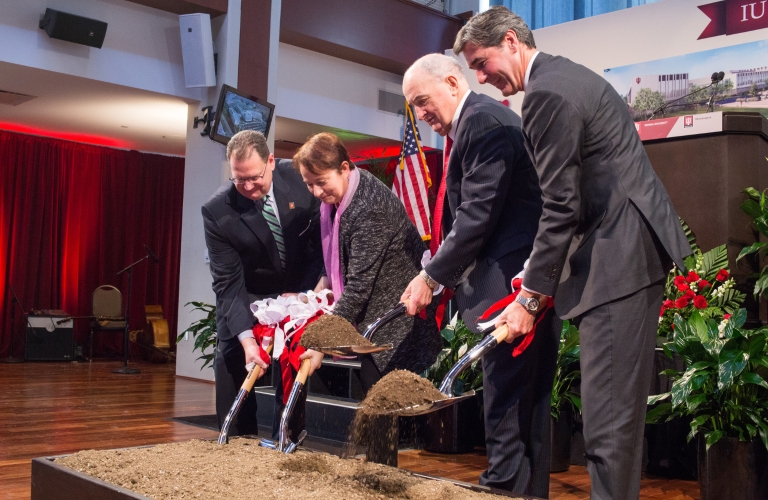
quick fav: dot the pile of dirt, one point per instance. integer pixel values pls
(399, 389)
(331, 331)
(242, 470)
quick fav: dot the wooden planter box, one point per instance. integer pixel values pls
(51, 481)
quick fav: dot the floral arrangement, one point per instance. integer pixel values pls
(706, 288)
(457, 340)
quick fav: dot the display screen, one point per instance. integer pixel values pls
(238, 111)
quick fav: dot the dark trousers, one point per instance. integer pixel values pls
(617, 344)
(516, 400)
(230, 373)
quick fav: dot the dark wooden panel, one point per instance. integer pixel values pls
(253, 66)
(51, 481)
(212, 7)
(384, 34)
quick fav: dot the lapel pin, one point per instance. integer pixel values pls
(291, 205)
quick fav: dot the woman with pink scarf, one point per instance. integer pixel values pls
(371, 251)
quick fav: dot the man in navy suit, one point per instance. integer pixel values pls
(490, 214)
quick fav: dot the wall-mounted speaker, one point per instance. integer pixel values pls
(197, 50)
(72, 28)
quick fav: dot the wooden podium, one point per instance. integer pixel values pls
(705, 175)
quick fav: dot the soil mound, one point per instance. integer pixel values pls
(242, 470)
(331, 331)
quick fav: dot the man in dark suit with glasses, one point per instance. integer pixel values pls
(263, 239)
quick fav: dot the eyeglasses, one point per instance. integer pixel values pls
(244, 180)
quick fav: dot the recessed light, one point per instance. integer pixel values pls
(123, 126)
(175, 137)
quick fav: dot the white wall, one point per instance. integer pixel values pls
(655, 31)
(321, 89)
(205, 170)
(142, 47)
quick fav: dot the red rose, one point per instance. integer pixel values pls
(704, 284)
(683, 286)
(681, 302)
(667, 304)
(722, 275)
(692, 277)
(699, 302)
(689, 294)
(726, 316)
(679, 280)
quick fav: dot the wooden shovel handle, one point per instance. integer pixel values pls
(303, 372)
(501, 333)
(250, 379)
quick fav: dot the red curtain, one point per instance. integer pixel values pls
(71, 217)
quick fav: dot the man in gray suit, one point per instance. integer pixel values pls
(490, 215)
(607, 237)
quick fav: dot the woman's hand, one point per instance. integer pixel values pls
(323, 284)
(315, 360)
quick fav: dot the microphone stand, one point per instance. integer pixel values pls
(666, 105)
(126, 369)
(14, 301)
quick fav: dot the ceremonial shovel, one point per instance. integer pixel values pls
(367, 349)
(285, 444)
(250, 379)
(446, 387)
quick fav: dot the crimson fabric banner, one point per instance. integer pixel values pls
(730, 17)
(73, 215)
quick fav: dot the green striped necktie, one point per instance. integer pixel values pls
(274, 225)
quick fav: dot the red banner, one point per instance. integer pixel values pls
(730, 17)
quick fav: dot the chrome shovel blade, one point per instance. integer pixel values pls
(351, 350)
(412, 411)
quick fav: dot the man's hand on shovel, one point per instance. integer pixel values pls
(416, 296)
(315, 360)
(253, 355)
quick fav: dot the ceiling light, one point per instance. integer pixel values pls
(175, 137)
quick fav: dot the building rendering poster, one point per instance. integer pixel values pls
(683, 85)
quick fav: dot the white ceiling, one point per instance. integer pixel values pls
(84, 110)
(79, 109)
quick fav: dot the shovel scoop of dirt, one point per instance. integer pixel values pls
(398, 390)
(331, 331)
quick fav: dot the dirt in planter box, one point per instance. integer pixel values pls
(331, 331)
(242, 470)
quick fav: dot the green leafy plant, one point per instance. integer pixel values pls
(723, 388)
(378, 166)
(567, 371)
(755, 207)
(203, 331)
(457, 340)
(706, 288)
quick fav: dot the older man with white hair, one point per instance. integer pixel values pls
(488, 210)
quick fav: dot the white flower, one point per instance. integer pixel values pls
(721, 328)
(462, 350)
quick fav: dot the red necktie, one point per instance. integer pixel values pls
(437, 220)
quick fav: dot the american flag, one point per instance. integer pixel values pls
(412, 177)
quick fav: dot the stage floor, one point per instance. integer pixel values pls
(56, 408)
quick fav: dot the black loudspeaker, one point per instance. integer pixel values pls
(73, 28)
(50, 339)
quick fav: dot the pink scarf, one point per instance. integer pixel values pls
(329, 232)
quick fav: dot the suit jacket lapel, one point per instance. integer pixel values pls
(250, 214)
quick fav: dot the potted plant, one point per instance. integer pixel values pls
(459, 427)
(565, 401)
(724, 392)
(755, 207)
(203, 331)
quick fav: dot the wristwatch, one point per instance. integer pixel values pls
(531, 304)
(432, 284)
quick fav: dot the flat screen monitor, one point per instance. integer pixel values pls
(239, 111)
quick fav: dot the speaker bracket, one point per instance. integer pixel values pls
(208, 116)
